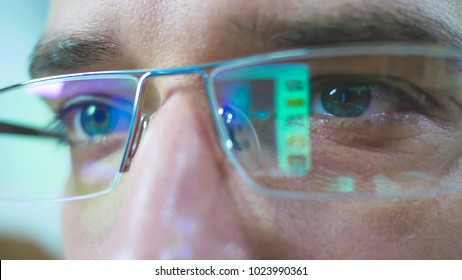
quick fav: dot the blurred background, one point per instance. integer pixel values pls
(27, 230)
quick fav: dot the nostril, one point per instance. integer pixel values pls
(242, 138)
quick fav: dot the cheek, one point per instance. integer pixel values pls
(409, 229)
(292, 229)
(87, 223)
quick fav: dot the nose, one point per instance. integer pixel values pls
(177, 202)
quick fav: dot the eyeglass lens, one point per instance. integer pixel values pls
(64, 138)
(363, 124)
(381, 125)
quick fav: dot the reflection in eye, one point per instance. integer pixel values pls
(356, 96)
(98, 119)
(88, 118)
(347, 101)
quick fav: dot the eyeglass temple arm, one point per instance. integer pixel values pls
(28, 131)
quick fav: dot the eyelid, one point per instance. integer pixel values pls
(76, 105)
(88, 99)
(413, 96)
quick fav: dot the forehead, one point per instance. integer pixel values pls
(175, 18)
(114, 12)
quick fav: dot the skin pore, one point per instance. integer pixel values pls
(181, 198)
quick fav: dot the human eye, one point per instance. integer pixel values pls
(372, 107)
(94, 119)
(344, 123)
(365, 96)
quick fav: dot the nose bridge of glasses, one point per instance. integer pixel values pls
(161, 83)
(153, 90)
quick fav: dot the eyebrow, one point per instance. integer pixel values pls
(357, 26)
(67, 52)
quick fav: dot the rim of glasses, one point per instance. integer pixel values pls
(208, 72)
(351, 50)
(435, 50)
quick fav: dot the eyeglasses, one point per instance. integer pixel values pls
(326, 123)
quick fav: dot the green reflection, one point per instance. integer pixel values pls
(343, 184)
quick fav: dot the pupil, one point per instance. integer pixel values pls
(346, 102)
(96, 120)
(100, 116)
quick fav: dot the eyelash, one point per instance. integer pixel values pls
(404, 94)
(58, 124)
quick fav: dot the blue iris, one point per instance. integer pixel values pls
(99, 119)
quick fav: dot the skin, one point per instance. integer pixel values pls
(181, 198)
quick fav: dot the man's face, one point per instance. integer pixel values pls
(181, 198)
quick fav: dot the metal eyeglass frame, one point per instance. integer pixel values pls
(208, 72)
